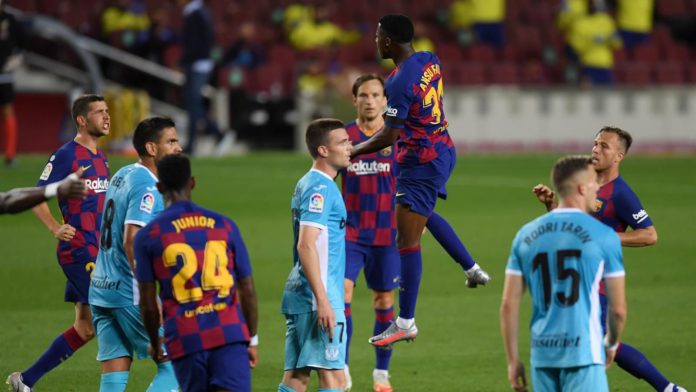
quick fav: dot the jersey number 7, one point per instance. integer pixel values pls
(214, 276)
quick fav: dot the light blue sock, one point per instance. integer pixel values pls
(165, 379)
(113, 382)
(284, 388)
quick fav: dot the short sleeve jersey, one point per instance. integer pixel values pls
(619, 207)
(197, 256)
(317, 202)
(415, 106)
(368, 187)
(562, 256)
(84, 215)
(132, 198)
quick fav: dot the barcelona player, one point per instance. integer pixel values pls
(78, 235)
(312, 301)
(561, 257)
(200, 261)
(132, 201)
(619, 207)
(426, 158)
(20, 199)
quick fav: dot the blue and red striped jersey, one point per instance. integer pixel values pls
(368, 187)
(619, 207)
(84, 215)
(415, 105)
(197, 256)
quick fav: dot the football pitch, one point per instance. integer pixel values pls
(459, 347)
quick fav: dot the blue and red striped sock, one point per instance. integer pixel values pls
(448, 239)
(349, 327)
(61, 349)
(636, 364)
(411, 272)
(383, 317)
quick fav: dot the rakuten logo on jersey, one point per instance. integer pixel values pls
(640, 216)
(98, 186)
(362, 168)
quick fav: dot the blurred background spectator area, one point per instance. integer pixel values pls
(278, 47)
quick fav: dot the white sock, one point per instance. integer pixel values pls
(380, 372)
(404, 323)
(473, 269)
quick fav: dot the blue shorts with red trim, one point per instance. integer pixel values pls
(418, 186)
(382, 265)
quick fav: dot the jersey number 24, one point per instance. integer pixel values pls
(214, 275)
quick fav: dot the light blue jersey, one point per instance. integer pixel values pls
(132, 198)
(317, 202)
(563, 255)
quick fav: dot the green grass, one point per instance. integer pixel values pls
(459, 348)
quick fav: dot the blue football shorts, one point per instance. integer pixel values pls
(307, 345)
(591, 378)
(120, 332)
(225, 367)
(77, 286)
(418, 186)
(382, 265)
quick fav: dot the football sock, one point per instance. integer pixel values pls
(448, 239)
(635, 363)
(165, 379)
(10, 128)
(113, 382)
(383, 318)
(60, 350)
(411, 271)
(349, 328)
(284, 388)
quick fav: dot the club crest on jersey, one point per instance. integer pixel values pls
(316, 203)
(386, 151)
(599, 204)
(46, 171)
(147, 203)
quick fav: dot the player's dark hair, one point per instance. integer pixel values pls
(81, 105)
(398, 27)
(149, 130)
(565, 168)
(174, 172)
(624, 136)
(317, 132)
(362, 79)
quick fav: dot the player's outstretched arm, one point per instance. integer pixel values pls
(20, 199)
(309, 257)
(151, 317)
(645, 236)
(247, 294)
(616, 320)
(382, 139)
(545, 196)
(509, 327)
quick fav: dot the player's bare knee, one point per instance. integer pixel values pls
(382, 299)
(85, 330)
